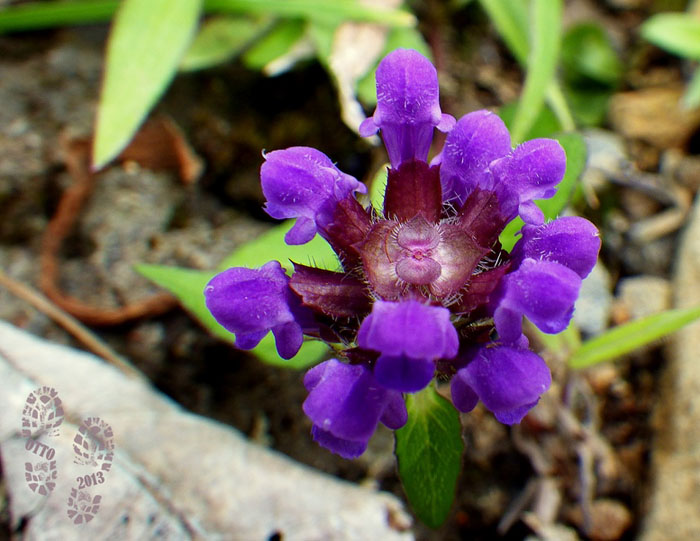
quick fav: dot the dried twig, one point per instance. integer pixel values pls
(70, 324)
(77, 154)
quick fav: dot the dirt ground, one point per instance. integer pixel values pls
(48, 88)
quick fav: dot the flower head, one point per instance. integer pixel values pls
(424, 287)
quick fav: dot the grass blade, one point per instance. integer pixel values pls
(542, 62)
(630, 336)
(38, 15)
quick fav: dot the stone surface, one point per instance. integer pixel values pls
(642, 296)
(654, 115)
(676, 456)
(175, 475)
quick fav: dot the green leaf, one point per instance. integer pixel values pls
(219, 40)
(270, 245)
(541, 63)
(188, 286)
(576, 152)
(38, 15)
(146, 44)
(546, 123)
(429, 453)
(377, 188)
(678, 33)
(274, 44)
(587, 53)
(511, 21)
(510, 17)
(323, 10)
(630, 336)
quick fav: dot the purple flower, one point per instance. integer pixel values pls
(508, 380)
(478, 155)
(408, 107)
(252, 302)
(554, 242)
(303, 183)
(410, 336)
(424, 289)
(345, 404)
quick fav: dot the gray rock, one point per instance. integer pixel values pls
(676, 456)
(175, 475)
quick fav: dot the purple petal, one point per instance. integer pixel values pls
(478, 139)
(251, 302)
(530, 172)
(509, 381)
(408, 106)
(571, 241)
(301, 182)
(463, 396)
(395, 414)
(345, 448)
(403, 373)
(346, 401)
(543, 291)
(409, 328)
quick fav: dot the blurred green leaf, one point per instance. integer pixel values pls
(219, 40)
(429, 452)
(546, 124)
(541, 63)
(270, 245)
(38, 15)
(678, 33)
(274, 44)
(587, 53)
(188, 286)
(323, 10)
(589, 105)
(398, 38)
(630, 336)
(511, 21)
(146, 44)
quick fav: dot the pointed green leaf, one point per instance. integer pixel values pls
(188, 286)
(270, 245)
(146, 44)
(678, 33)
(219, 40)
(630, 336)
(377, 188)
(276, 42)
(429, 453)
